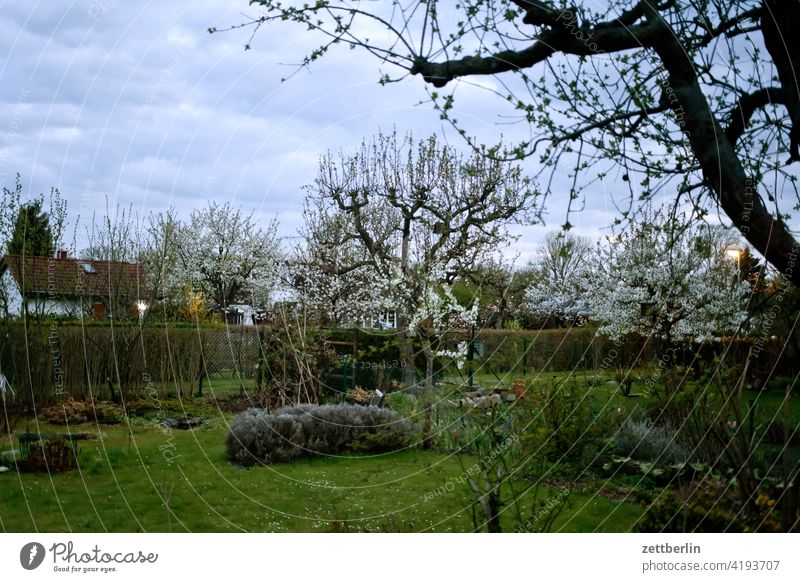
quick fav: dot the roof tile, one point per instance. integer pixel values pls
(68, 277)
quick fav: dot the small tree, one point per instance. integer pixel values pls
(9, 206)
(27, 230)
(160, 258)
(499, 289)
(559, 282)
(32, 235)
(229, 257)
(115, 239)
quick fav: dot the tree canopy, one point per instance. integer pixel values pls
(26, 228)
(560, 285)
(32, 236)
(228, 256)
(656, 278)
(395, 224)
(696, 100)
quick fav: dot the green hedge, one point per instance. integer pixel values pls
(506, 350)
(577, 348)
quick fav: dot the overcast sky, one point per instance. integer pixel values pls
(135, 101)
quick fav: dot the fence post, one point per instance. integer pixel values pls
(524, 356)
(470, 355)
(355, 355)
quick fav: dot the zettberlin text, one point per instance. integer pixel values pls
(671, 549)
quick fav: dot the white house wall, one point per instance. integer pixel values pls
(50, 307)
(246, 311)
(12, 291)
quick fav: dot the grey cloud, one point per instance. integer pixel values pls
(137, 102)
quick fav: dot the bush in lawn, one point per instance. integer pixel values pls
(644, 441)
(711, 506)
(404, 404)
(71, 411)
(561, 428)
(257, 436)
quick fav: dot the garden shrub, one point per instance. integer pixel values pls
(559, 426)
(711, 507)
(642, 440)
(72, 411)
(404, 404)
(258, 436)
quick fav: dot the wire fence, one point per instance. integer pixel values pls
(368, 376)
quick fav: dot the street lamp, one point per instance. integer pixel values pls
(735, 253)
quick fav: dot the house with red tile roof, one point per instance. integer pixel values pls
(70, 287)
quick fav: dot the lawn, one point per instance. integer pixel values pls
(128, 480)
(126, 484)
(605, 392)
(604, 396)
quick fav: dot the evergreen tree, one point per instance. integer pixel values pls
(33, 235)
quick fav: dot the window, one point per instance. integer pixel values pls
(383, 320)
(88, 268)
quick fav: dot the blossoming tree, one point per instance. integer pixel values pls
(560, 277)
(695, 100)
(393, 226)
(226, 254)
(674, 284)
(657, 278)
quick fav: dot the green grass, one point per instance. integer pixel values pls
(606, 393)
(125, 484)
(605, 397)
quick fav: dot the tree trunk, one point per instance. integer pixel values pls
(488, 500)
(406, 352)
(780, 21)
(720, 164)
(791, 476)
(429, 361)
(406, 343)
(493, 523)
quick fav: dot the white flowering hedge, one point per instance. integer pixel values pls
(258, 436)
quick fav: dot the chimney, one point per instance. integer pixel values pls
(62, 255)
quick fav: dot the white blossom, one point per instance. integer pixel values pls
(656, 279)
